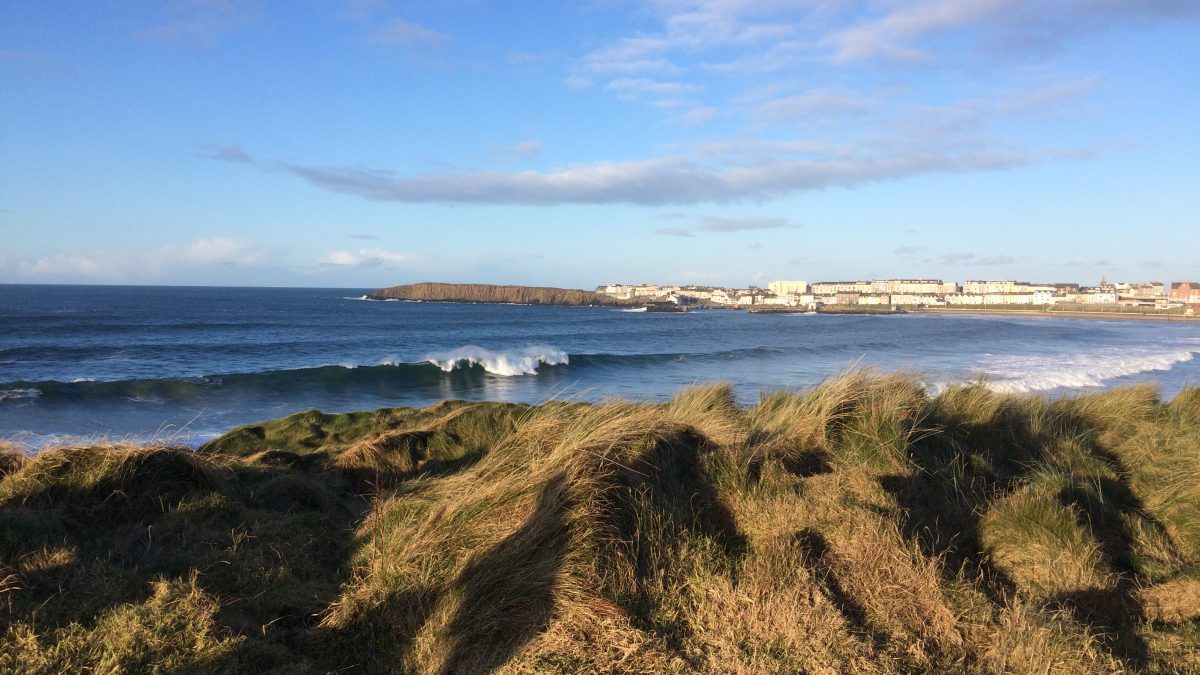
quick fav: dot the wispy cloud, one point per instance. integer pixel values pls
(715, 224)
(522, 150)
(199, 23)
(673, 232)
(726, 224)
(407, 35)
(1016, 23)
(815, 102)
(645, 87)
(362, 9)
(38, 63)
(229, 153)
(975, 259)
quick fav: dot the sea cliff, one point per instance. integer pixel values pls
(490, 294)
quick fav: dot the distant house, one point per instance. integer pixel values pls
(846, 298)
(720, 297)
(1104, 294)
(1187, 292)
(1044, 297)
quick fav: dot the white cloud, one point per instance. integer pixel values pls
(368, 257)
(630, 56)
(887, 36)
(146, 265)
(664, 180)
(640, 86)
(815, 102)
(95, 266)
(1020, 24)
(215, 251)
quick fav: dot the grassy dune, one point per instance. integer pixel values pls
(860, 527)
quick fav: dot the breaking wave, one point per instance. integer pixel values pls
(464, 365)
(19, 393)
(508, 364)
(1019, 374)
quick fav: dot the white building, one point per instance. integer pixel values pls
(835, 287)
(1044, 297)
(965, 299)
(619, 291)
(720, 297)
(788, 287)
(914, 299)
(989, 287)
(1098, 295)
(780, 300)
(913, 286)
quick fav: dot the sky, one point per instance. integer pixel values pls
(366, 143)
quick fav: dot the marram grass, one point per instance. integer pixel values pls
(861, 526)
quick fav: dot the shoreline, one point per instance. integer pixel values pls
(1067, 314)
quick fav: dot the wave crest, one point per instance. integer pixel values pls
(508, 363)
(1020, 374)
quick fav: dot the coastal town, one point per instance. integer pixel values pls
(898, 294)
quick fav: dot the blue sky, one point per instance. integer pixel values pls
(360, 143)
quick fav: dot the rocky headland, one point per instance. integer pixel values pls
(491, 294)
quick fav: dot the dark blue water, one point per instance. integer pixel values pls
(139, 362)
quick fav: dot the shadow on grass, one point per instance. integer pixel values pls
(819, 562)
(508, 592)
(963, 466)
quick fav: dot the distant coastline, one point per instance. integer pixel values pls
(498, 295)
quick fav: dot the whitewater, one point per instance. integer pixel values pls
(137, 362)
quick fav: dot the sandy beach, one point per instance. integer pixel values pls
(1113, 316)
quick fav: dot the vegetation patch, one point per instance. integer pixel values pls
(861, 526)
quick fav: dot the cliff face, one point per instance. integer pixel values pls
(485, 293)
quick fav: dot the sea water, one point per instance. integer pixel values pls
(185, 364)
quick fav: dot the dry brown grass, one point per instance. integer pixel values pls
(857, 527)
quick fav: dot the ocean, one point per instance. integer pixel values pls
(83, 363)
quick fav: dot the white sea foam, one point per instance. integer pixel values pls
(507, 363)
(14, 394)
(147, 398)
(1017, 374)
(637, 309)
